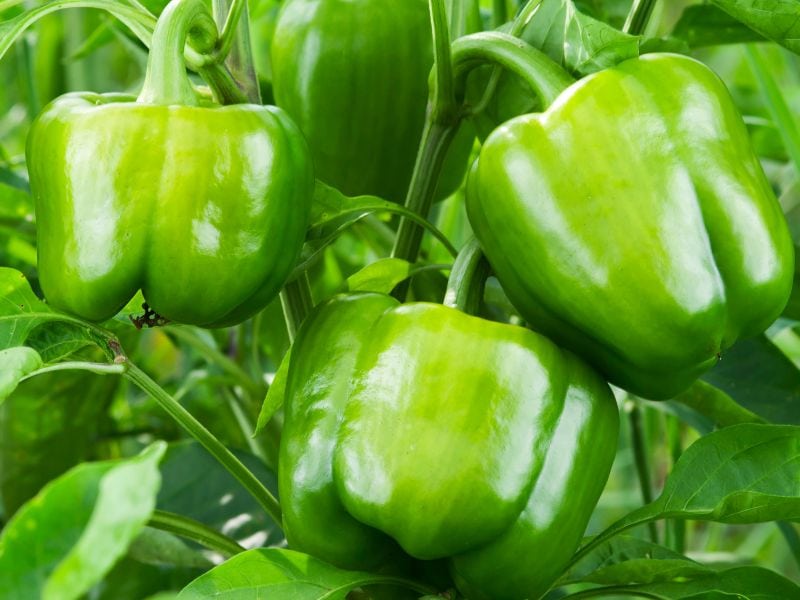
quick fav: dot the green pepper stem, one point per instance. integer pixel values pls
(199, 432)
(546, 78)
(468, 279)
(297, 302)
(195, 531)
(639, 16)
(166, 81)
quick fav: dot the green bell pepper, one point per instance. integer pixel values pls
(632, 223)
(202, 207)
(447, 435)
(354, 76)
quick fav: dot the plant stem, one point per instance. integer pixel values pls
(641, 457)
(234, 46)
(195, 531)
(639, 16)
(166, 81)
(499, 13)
(467, 279)
(676, 526)
(217, 449)
(546, 78)
(441, 126)
(297, 303)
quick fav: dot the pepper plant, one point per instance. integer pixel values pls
(383, 299)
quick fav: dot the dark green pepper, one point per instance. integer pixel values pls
(354, 76)
(632, 223)
(448, 435)
(204, 208)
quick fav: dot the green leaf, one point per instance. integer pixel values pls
(741, 474)
(759, 377)
(777, 20)
(138, 21)
(278, 573)
(753, 583)
(62, 542)
(20, 309)
(706, 25)
(16, 363)
(197, 486)
(47, 426)
(576, 41)
(156, 547)
(331, 208)
(275, 394)
(626, 559)
(716, 405)
(381, 276)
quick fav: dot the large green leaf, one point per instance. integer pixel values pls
(777, 20)
(16, 363)
(759, 377)
(625, 560)
(277, 573)
(197, 486)
(706, 25)
(61, 543)
(746, 473)
(578, 42)
(48, 425)
(138, 21)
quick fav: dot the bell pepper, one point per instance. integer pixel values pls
(632, 223)
(419, 427)
(202, 207)
(354, 76)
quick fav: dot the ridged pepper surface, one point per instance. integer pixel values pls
(447, 435)
(632, 223)
(354, 76)
(202, 207)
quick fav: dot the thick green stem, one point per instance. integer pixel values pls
(639, 16)
(217, 449)
(641, 457)
(195, 531)
(546, 78)
(440, 129)
(436, 139)
(166, 81)
(297, 302)
(468, 279)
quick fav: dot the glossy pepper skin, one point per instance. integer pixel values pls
(449, 435)
(203, 208)
(632, 223)
(353, 74)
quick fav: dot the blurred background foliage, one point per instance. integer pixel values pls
(55, 421)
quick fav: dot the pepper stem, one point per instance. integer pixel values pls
(546, 78)
(166, 81)
(468, 279)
